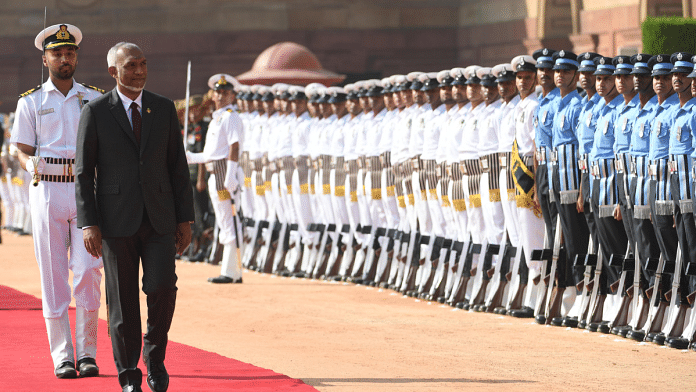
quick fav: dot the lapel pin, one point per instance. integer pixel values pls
(148, 110)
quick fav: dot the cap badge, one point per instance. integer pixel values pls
(659, 58)
(602, 61)
(522, 61)
(679, 56)
(561, 53)
(545, 52)
(639, 57)
(587, 55)
(222, 80)
(63, 33)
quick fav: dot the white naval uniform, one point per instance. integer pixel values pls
(300, 184)
(58, 243)
(531, 223)
(488, 128)
(468, 150)
(224, 130)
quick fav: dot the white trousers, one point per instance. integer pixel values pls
(59, 247)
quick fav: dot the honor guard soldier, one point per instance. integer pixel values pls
(566, 183)
(680, 149)
(647, 247)
(687, 125)
(626, 112)
(47, 146)
(220, 154)
(529, 218)
(610, 232)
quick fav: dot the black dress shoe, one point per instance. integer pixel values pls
(678, 343)
(557, 321)
(692, 346)
(88, 367)
(637, 335)
(623, 332)
(157, 377)
(500, 310)
(221, 279)
(582, 324)
(659, 339)
(650, 336)
(66, 370)
(540, 319)
(132, 388)
(570, 322)
(601, 327)
(524, 312)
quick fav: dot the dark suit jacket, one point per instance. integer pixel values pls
(131, 179)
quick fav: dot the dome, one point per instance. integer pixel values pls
(288, 62)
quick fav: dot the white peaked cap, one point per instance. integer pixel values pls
(413, 76)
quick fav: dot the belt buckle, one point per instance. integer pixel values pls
(484, 163)
(503, 160)
(463, 169)
(653, 170)
(672, 166)
(448, 169)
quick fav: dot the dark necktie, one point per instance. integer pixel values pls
(137, 121)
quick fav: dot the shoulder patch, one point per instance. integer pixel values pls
(92, 87)
(30, 91)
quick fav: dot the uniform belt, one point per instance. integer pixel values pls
(52, 178)
(620, 163)
(483, 164)
(503, 159)
(541, 155)
(582, 163)
(674, 162)
(373, 163)
(416, 163)
(56, 169)
(302, 161)
(599, 167)
(385, 159)
(58, 161)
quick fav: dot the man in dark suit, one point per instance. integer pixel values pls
(132, 188)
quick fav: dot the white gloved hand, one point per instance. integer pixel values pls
(188, 157)
(231, 179)
(35, 165)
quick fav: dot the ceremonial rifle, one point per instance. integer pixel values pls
(594, 300)
(654, 313)
(587, 277)
(186, 111)
(551, 278)
(36, 177)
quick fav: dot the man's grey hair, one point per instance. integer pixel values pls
(111, 56)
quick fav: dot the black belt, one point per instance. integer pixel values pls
(59, 161)
(54, 178)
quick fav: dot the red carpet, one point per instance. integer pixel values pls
(26, 364)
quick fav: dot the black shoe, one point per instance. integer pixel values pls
(540, 319)
(88, 367)
(500, 310)
(570, 322)
(132, 388)
(157, 377)
(524, 312)
(659, 339)
(557, 321)
(582, 324)
(625, 330)
(66, 370)
(651, 336)
(221, 279)
(637, 335)
(601, 327)
(679, 343)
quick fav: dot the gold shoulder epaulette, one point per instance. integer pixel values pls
(230, 110)
(29, 92)
(92, 87)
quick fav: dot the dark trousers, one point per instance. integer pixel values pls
(548, 208)
(121, 265)
(576, 236)
(612, 237)
(589, 211)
